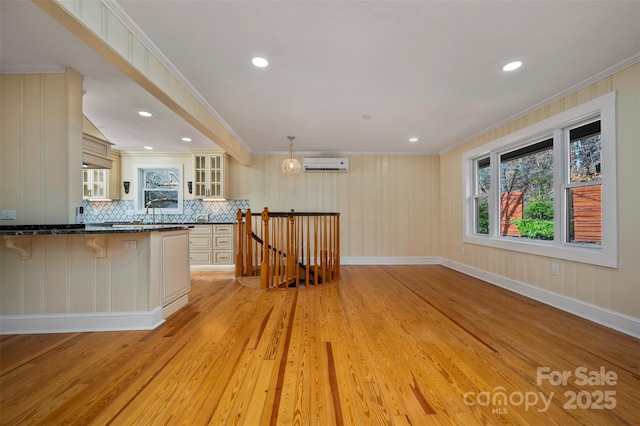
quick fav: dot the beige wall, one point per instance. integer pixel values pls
(614, 289)
(389, 205)
(41, 147)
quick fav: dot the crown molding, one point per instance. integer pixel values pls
(33, 70)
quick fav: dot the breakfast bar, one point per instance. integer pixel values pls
(78, 277)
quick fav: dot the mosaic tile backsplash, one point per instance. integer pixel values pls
(124, 211)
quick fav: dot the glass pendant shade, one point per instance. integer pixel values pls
(291, 165)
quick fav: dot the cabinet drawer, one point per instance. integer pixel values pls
(198, 242)
(200, 257)
(222, 242)
(200, 230)
(223, 229)
(223, 257)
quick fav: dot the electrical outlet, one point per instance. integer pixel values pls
(129, 244)
(8, 215)
(555, 269)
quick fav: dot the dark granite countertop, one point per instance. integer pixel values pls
(66, 229)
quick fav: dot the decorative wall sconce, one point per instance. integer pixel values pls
(126, 186)
(190, 186)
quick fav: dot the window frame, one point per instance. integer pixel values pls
(604, 255)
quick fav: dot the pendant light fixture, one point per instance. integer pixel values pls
(291, 165)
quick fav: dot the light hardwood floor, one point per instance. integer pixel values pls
(386, 345)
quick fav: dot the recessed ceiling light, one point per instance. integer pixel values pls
(413, 139)
(148, 147)
(511, 66)
(144, 113)
(259, 62)
(186, 139)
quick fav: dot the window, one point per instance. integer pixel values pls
(481, 198)
(548, 189)
(583, 186)
(159, 187)
(526, 192)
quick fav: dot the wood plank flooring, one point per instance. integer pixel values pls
(386, 345)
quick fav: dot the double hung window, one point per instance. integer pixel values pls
(159, 187)
(548, 189)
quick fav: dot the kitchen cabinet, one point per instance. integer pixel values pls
(211, 246)
(102, 184)
(200, 245)
(95, 184)
(115, 182)
(223, 244)
(209, 180)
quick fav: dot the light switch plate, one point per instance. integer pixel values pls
(130, 244)
(8, 215)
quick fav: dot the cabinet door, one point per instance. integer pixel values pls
(208, 179)
(86, 183)
(215, 176)
(99, 184)
(200, 176)
(94, 183)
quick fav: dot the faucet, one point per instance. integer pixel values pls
(153, 215)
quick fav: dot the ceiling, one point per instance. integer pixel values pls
(344, 76)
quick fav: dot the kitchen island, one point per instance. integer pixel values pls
(69, 278)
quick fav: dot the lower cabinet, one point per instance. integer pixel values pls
(211, 245)
(200, 246)
(223, 244)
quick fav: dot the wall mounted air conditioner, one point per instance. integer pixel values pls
(325, 164)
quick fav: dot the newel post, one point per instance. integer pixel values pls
(239, 251)
(249, 232)
(292, 251)
(264, 268)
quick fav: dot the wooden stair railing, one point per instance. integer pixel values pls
(288, 249)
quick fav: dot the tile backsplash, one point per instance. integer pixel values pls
(124, 211)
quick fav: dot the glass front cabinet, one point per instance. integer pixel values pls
(209, 176)
(95, 184)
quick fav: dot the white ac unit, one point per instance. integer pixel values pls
(325, 164)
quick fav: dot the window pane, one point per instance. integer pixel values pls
(161, 199)
(483, 180)
(482, 215)
(526, 192)
(585, 153)
(585, 215)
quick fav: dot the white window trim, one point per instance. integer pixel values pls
(607, 253)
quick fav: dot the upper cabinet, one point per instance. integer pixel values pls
(95, 184)
(209, 180)
(102, 184)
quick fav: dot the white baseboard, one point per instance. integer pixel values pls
(391, 260)
(213, 268)
(72, 323)
(175, 306)
(615, 320)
